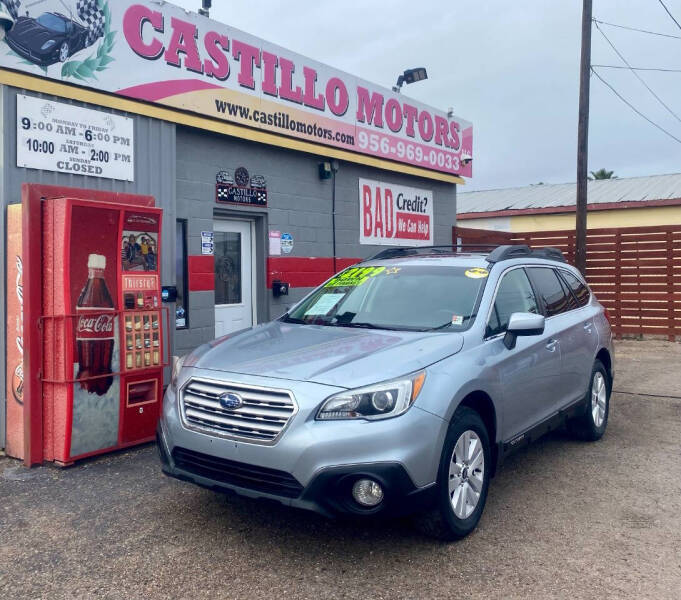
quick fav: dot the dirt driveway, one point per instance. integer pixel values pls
(564, 519)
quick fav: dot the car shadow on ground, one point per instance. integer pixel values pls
(310, 531)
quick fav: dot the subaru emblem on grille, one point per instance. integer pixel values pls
(230, 401)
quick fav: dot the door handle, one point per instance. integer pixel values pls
(551, 345)
(588, 326)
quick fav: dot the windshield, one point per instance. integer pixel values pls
(418, 298)
(52, 22)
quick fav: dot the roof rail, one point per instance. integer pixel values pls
(521, 250)
(507, 252)
(549, 253)
(431, 250)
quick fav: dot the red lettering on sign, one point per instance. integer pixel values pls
(183, 41)
(378, 215)
(247, 55)
(269, 77)
(309, 98)
(136, 17)
(389, 214)
(369, 109)
(216, 46)
(366, 209)
(286, 90)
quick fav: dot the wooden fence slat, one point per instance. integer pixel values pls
(634, 271)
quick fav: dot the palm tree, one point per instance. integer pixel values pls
(602, 174)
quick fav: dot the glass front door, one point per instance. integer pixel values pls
(233, 276)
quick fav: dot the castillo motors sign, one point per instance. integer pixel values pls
(159, 53)
(395, 215)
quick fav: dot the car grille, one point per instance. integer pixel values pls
(261, 419)
(231, 472)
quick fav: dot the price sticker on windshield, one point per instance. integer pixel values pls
(477, 273)
(355, 277)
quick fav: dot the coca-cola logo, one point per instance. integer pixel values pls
(95, 324)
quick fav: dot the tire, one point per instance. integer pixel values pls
(64, 52)
(591, 425)
(443, 522)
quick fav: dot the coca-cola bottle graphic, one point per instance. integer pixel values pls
(95, 329)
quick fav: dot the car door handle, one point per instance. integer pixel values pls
(588, 326)
(551, 345)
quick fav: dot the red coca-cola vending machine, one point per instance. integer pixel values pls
(101, 350)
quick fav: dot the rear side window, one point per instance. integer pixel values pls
(580, 291)
(514, 294)
(550, 288)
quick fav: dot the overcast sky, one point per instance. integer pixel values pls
(512, 68)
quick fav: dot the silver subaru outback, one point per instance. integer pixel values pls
(398, 386)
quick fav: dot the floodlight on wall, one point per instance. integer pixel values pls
(410, 76)
(205, 9)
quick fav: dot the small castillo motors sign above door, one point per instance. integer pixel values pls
(241, 188)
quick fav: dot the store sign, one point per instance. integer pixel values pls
(395, 215)
(159, 53)
(240, 188)
(54, 136)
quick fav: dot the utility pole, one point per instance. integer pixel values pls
(583, 138)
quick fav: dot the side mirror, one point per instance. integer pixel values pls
(523, 324)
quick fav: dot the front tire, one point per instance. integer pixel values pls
(463, 479)
(591, 425)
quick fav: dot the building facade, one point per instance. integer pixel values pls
(248, 207)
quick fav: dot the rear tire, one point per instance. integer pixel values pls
(591, 425)
(463, 479)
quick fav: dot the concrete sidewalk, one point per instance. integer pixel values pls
(564, 519)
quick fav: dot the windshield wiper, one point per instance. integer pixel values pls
(287, 319)
(360, 325)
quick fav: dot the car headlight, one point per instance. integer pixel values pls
(178, 362)
(378, 401)
(48, 44)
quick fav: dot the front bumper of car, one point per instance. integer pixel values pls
(314, 464)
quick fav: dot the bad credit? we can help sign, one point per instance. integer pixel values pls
(394, 215)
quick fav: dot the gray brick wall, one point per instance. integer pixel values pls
(299, 203)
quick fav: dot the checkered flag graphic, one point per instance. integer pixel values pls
(92, 17)
(12, 7)
(223, 193)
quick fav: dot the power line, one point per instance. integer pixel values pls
(667, 35)
(637, 68)
(624, 60)
(630, 105)
(669, 13)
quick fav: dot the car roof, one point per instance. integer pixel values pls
(479, 256)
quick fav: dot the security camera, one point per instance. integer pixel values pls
(466, 161)
(6, 21)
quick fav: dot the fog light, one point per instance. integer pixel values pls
(367, 492)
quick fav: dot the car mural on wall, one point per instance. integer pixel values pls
(53, 37)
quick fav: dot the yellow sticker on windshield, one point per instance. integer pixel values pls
(477, 273)
(354, 277)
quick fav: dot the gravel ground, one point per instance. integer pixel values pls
(564, 519)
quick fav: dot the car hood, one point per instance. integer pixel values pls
(32, 34)
(337, 356)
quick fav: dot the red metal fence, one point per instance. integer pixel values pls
(634, 271)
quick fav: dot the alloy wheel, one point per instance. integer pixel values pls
(63, 52)
(466, 474)
(598, 399)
